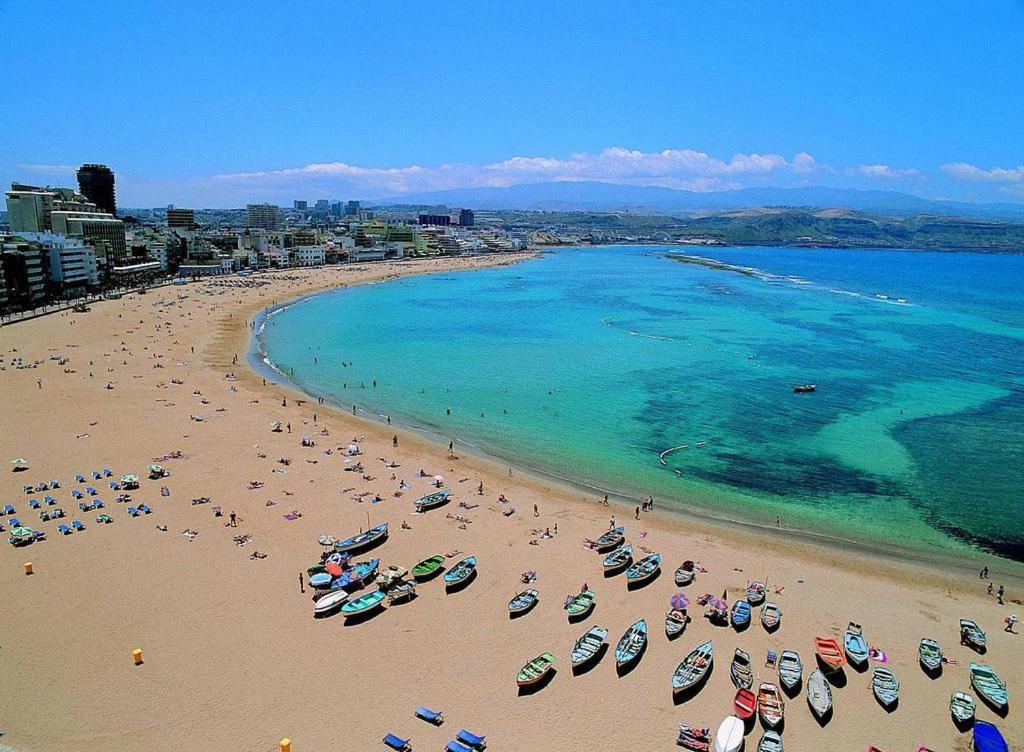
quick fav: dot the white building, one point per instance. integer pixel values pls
(72, 261)
(309, 255)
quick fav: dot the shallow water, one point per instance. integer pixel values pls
(588, 363)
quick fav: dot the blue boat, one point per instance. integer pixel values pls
(362, 540)
(461, 572)
(357, 575)
(854, 644)
(740, 614)
(432, 500)
(987, 738)
(320, 581)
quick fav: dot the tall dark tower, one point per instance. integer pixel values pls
(96, 182)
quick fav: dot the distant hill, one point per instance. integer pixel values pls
(610, 197)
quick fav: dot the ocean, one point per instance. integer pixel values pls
(589, 363)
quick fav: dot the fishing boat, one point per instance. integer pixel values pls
(729, 737)
(685, 574)
(930, 655)
(971, 635)
(987, 683)
(403, 591)
(362, 540)
(885, 686)
(364, 603)
(618, 559)
(988, 738)
(828, 652)
(522, 602)
(755, 593)
(854, 645)
(805, 388)
(694, 738)
(770, 742)
(535, 670)
(739, 616)
(771, 616)
(770, 706)
(791, 670)
(320, 581)
(961, 707)
(428, 568)
(675, 623)
(581, 604)
(739, 670)
(643, 570)
(461, 572)
(356, 575)
(329, 602)
(430, 501)
(631, 644)
(588, 646)
(694, 667)
(819, 693)
(612, 539)
(745, 704)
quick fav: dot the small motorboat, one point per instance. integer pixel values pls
(588, 646)
(745, 704)
(771, 741)
(771, 616)
(791, 670)
(755, 593)
(854, 645)
(828, 652)
(685, 574)
(431, 501)
(675, 623)
(962, 707)
(329, 602)
(739, 616)
(694, 738)
(362, 540)
(988, 738)
(643, 570)
(885, 686)
(805, 388)
(534, 671)
(618, 559)
(740, 671)
(356, 575)
(581, 604)
(461, 572)
(403, 591)
(693, 668)
(770, 705)
(989, 686)
(930, 655)
(819, 693)
(428, 568)
(522, 602)
(631, 644)
(611, 539)
(363, 604)
(972, 636)
(729, 737)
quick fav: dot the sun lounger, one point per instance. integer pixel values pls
(114, 485)
(102, 519)
(79, 478)
(63, 529)
(34, 504)
(56, 512)
(396, 742)
(430, 716)
(133, 512)
(77, 494)
(145, 508)
(50, 501)
(96, 474)
(91, 491)
(26, 489)
(38, 535)
(15, 522)
(54, 484)
(97, 504)
(771, 658)
(471, 739)
(9, 509)
(107, 472)
(454, 746)
(78, 525)
(83, 506)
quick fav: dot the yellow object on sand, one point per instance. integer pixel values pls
(137, 655)
(28, 567)
(286, 745)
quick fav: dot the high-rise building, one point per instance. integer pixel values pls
(337, 209)
(352, 209)
(440, 220)
(29, 207)
(23, 272)
(322, 205)
(265, 216)
(183, 218)
(72, 260)
(96, 182)
(300, 205)
(102, 231)
(466, 218)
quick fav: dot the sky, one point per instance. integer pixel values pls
(215, 104)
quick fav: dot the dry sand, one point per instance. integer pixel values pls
(234, 659)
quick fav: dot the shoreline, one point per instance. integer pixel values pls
(679, 511)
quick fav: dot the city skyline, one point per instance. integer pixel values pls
(698, 97)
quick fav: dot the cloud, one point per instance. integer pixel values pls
(58, 169)
(884, 172)
(967, 171)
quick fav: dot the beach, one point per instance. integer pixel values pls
(232, 656)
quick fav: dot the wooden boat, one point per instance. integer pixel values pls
(987, 683)
(971, 635)
(403, 591)
(461, 572)
(930, 655)
(618, 559)
(771, 616)
(739, 616)
(523, 602)
(770, 742)
(770, 705)
(854, 645)
(988, 738)
(694, 667)
(739, 670)
(643, 570)
(612, 539)
(320, 581)
(885, 686)
(581, 604)
(329, 602)
(685, 574)
(675, 623)
(588, 646)
(745, 704)
(428, 568)
(356, 575)
(430, 501)
(828, 652)
(694, 738)
(819, 693)
(729, 737)
(631, 644)
(535, 670)
(961, 707)
(365, 602)
(791, 670)
(756, 592)
(362, 540)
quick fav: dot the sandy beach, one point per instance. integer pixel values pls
(233, 658)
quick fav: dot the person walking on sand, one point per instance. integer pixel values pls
(999, 594)
(536, 512)
(234, 519)
(1010, 621)
(302, 584)
(606, 499)
(990, 588)
(394, 440)
(637, 511)
(480, 490)
(611, 523)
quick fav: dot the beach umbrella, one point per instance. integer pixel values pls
(679, 602)
(19, 462)
(439, 478)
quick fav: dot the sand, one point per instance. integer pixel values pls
(233, 658)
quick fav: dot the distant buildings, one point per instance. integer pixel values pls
(96, 182)
(352, 209)
(300, 206)
(71, 262)
(437, 220)
(264, 216)
(466, 218)
(102, 231)
(184, 219)
(22, 273)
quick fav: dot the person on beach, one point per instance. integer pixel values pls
(990, 588)
(984, 573)
(536, 511)
(1010, 621)
(638, 511)
(233, 519)
(606, 499)
(611, 522)
(999, 594)
(480, 490)
(394, 440)
(302, 583)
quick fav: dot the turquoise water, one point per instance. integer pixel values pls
(588, 363)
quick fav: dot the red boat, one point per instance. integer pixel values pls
(829, 652)
(745, 704)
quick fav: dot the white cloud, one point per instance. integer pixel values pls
(49, 169)
(967, 171)
(883, 171)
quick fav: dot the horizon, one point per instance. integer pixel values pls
(920, 101)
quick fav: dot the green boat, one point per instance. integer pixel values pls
(535, 670)
(428, 567)
(316, 568)
(987, 683)
(363, 603)
(581, 604)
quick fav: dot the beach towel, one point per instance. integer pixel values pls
(877, 655)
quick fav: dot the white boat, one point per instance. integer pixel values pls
(729, 737)
(329, 602)
(362, 540)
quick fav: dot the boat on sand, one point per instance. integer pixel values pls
(770, 742)
(329, 602)
(581, 604)
(962, 707)
(791, 670)
(930, 655)
(643, 570)
(675, 623)
(885, 686)
(854, 645)
(522, 602)
(461, 572)
(534, 671)
(588, 646)
(989, 686)
(611, 539)
(362, 540)
(988, 738)
(430, 501)
(756, 592)
(770, 705)
(819, 693)
(972, 636)
(631, 644)
(729, 737)
(685, 574)
(745, 704)
(771, 616)
(694, 738)
(694, 667)
(828, 652)
(428, 567)
(618, 559)
(363, 603)
(739, 670)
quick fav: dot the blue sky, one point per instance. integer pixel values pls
(216, 104)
